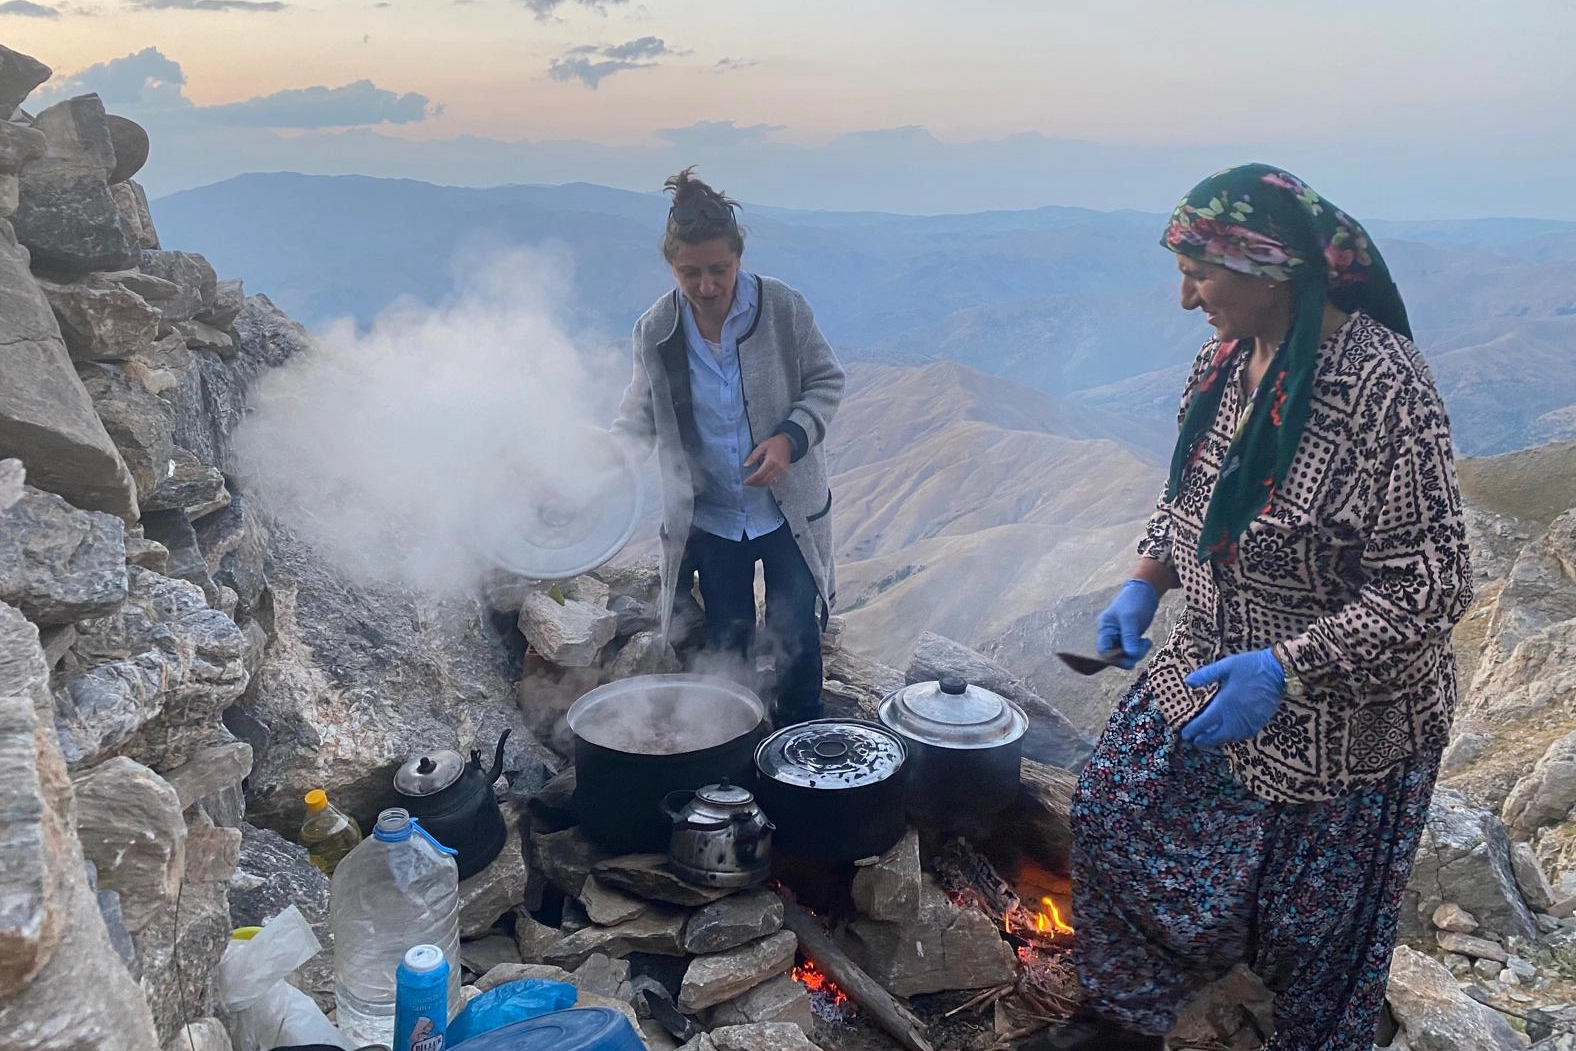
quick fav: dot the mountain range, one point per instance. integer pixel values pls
(1013, 376)
(1062, 300)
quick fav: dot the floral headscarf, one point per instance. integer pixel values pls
(1259, 220)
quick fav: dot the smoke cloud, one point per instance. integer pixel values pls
(421, 450)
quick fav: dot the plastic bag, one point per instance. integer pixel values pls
(514, 1002)
(264, 1010)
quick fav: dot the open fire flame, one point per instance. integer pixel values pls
(1042, 925)
(811, 977)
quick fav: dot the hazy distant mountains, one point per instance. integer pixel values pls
(1066, 301)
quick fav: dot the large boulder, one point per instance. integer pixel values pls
(35, 801)
(360, 677)
(139, 422)
(132, 203)
(1540, 592)
(19, 146)
(191, 273)
(1464, 859)
(130, 825)
(150, 679)
(19, 75)
(1050, 738)
(234, 544)
(101, 320)
(1435, 1015)
(63, 985)
(58, 564)
(946, 947)
(229, 298)
(66, 214)
(181, 948)
(46, 417)
(1547, 793)
(131, 147)
(213, 392)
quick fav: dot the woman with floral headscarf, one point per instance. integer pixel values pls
(1258, 796)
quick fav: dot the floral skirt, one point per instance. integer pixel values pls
(1179, 874)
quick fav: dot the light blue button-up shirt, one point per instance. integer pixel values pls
(724, 505)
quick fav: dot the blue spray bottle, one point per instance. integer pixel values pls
(421, 1000)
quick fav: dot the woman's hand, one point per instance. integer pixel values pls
(1125, 620)
(1251, 688)
(773, 455)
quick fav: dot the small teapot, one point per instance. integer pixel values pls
(454, 802)
(721, 837)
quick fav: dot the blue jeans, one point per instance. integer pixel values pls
(793, 632)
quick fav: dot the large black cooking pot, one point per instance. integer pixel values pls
(640, 738)
(965, 748)
(833, 787)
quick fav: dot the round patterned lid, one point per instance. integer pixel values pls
(952, 713)
(831, 754)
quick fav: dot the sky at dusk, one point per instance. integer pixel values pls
(1402, 109)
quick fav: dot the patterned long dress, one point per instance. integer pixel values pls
(1290, 851)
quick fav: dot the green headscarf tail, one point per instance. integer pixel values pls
(1259, 220)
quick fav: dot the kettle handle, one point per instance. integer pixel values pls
(673, 801)
(751, 835)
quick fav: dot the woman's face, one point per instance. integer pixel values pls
(706, 273)
(1237, 305)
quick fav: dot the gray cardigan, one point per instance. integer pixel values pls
(792, 384)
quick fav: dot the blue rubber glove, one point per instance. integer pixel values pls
(1125, 620)
(1251, 688)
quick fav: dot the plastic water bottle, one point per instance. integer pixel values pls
(398, 889)
(421, 1000)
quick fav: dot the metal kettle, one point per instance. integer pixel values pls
(721, 837)
(454, 802)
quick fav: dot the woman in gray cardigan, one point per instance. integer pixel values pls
(735, 386)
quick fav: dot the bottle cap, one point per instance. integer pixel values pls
(421, 959)
(316, 800)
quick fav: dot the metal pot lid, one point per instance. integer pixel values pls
(665, 714)
(570, 507)
(429, 774)
(952, 713)
(724, 795)
(831, 754)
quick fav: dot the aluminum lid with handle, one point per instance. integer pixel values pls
(571, 505)
(429, 774)
(952, 713)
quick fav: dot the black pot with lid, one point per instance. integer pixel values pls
(965, 748)
(453, 800)
(833, 787)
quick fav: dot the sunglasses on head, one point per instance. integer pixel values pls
(705, 210)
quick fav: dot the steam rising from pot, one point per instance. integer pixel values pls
(392, 450)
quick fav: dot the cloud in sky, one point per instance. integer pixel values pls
(210, 5)
(545, 9)
(151, 86)
(27, 9)
(144, 78)
(591, 63)
(351, 105)
(727, 65)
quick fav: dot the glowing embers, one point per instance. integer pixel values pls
(827, 1000)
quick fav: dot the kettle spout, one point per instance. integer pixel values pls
(497, 767)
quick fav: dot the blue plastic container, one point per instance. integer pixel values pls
(421, 1000)
(577, 1029)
